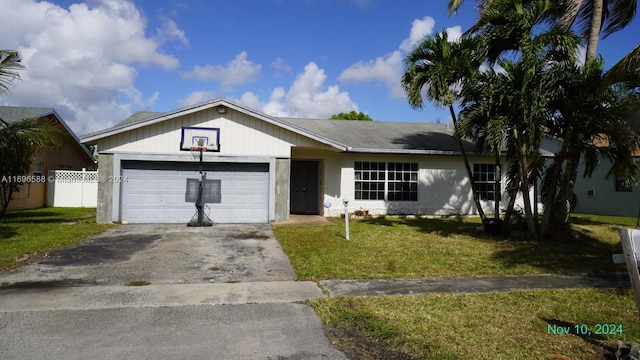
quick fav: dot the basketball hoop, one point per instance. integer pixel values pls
(197, 150)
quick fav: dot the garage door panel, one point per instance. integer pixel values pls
(154, 194)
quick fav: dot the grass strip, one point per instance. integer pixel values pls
(512, 325)
(27, 234)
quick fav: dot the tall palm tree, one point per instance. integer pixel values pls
(597, 19)
(436, 69)
(594, 19)
(518, 98)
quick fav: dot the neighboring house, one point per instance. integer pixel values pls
(72, 156)
(601, 194)
(268, 167)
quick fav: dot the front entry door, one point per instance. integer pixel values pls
(304, 187)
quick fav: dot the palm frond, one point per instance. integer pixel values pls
(626, 71)
(10, 64)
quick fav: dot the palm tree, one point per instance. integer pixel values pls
(586, 113)
(10, 64)
(596, 19)
(517, 98)
(593, 19)
(20, 140)
(436, 68)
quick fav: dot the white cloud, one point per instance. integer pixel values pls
(237, 71)
(81, 60)
(387, 70)
(281, 67)
(454, 33)
(307, 97)
(419, 29)
(170, 31)
(196, 98)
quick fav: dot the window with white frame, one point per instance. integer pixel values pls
(484, 175)
(386, 181)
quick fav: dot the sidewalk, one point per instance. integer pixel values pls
(472, 284)
(21, 297)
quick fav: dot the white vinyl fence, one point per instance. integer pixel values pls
(72, 188)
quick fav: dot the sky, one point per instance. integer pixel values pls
(98, 61)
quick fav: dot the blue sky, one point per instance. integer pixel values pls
(98, 61)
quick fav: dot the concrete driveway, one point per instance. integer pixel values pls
(161, 254)
(73, 304)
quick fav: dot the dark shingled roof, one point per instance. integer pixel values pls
(140, 116)
(376, 136)
(12, 114)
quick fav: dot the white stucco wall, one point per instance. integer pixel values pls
(606, 200)
(443, 187)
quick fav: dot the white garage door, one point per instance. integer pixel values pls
(154, 192)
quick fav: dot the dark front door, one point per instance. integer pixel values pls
(304, 187)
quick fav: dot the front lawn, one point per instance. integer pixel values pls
(27, 234)
(526, 325)
(413, 248)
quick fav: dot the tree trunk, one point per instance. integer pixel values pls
(551, 199)
(498, 193)
(552, 193)
(523, 168)
(568, 183)
(510, 206)
(594, 33)
(467, 167)
(524, 189)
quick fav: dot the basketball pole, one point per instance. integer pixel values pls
(199, 204)
(200, 217)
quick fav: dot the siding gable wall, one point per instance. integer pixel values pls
(240, 135)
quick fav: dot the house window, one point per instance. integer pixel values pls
(370, 178)
(622, 185)
(386, 181)
(37, 169)
(484, 175)
(403, 182)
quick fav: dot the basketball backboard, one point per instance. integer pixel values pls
(194, 136)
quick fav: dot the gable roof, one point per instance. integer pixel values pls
(348, 136)
(139, 120)
(12, 114)
(386, 137)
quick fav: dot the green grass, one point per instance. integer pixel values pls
(412, 248)
(511, 325)
(34, 232)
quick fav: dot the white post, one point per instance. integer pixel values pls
(629, 239)
(345, 201)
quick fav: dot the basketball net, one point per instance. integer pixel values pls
(198, 149)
